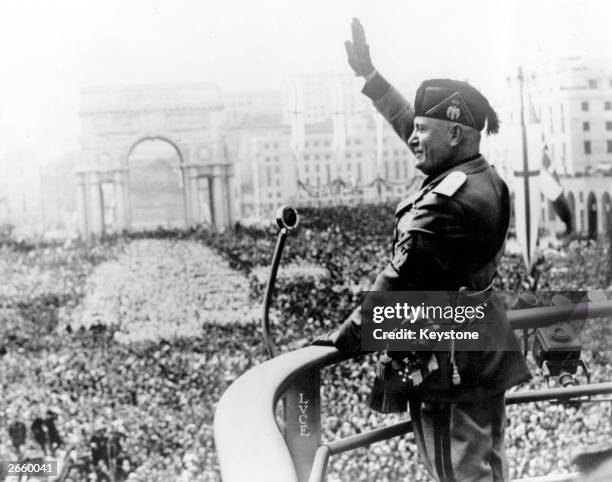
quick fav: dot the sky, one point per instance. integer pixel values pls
(51, 49)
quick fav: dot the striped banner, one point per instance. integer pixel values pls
(527, 191)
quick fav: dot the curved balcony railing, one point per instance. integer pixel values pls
(252, 445)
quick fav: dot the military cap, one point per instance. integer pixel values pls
(455, 101)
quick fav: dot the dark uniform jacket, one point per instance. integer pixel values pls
(449, 236)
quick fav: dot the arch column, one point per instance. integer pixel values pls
(186, 194)
(193, 196)
(127, 203)
(82, 204)
(218, 204)
(221, 196)
(96, 209)
(227, 194)
(119, 180)
(205, 199)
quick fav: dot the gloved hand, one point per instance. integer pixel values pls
(358, 52)
(326, 339)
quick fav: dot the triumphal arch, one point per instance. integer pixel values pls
(193, 188)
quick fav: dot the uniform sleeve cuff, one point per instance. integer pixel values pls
(348, 338)
(376, 88)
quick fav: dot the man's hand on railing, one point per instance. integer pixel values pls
(327, 339)
(347, 337)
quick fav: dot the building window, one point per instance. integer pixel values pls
(316, 157)
(587, 147)
(592, 84)
(585, 106)
(607, 105)
(580, 196)
(317, 168)
(328, 173)
(269, 175)
(609, 144)
(586, 126)
(359, 171)
(609, 125)
(306, 169)
(306, 157)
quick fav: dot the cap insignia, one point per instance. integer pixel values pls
(453, 112)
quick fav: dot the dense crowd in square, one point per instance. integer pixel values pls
(131, 341)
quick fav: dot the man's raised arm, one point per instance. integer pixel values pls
(387, 100)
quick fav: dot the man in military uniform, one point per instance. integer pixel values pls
(449, 236)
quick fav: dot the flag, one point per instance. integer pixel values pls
(296, 116)
(526, 185)
(379, 124)
(553, 190)
(338, 113)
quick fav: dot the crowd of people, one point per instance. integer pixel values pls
(130, 343)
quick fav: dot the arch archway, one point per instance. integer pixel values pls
(188, 186)
(156, 185)
(571, 201)
(592, 216)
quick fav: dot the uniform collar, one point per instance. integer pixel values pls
(471, 165)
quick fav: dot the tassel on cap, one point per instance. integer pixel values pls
(492, 122)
